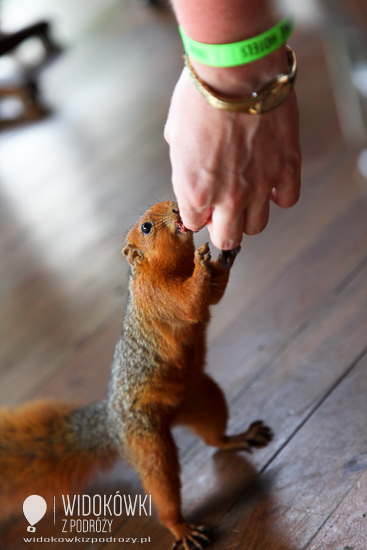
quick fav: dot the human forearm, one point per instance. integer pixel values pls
(226, 21)
(221, 21)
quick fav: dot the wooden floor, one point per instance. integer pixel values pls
(288, 343)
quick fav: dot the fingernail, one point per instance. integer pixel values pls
(229, 245)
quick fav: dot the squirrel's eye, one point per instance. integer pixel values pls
(146, 228)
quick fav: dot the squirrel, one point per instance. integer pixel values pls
(157, 381)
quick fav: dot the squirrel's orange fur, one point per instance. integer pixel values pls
(157, 381)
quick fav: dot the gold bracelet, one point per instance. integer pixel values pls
(268, 98)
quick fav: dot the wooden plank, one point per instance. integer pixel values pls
(305, 483)
(351, 13)
(346, 527)
(320, 135)
(85, 379)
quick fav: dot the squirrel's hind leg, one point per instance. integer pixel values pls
(206, 413)
(152, 451)
(257, 435)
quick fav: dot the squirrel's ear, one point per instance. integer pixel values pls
(133, 255)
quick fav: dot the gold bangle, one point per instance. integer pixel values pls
(268, 98)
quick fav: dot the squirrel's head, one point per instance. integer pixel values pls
(159, 238)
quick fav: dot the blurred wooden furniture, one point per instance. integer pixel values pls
(23, 83)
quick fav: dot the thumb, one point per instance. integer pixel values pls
(194, 218)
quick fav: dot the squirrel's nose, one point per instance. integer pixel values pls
(175, 211)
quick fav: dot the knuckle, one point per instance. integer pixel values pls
(231, 204)
(199, 199)
(263, 186)
(237, 198)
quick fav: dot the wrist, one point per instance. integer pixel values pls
(242, 80)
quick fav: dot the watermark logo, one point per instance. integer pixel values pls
(34, 508)
(87, 515)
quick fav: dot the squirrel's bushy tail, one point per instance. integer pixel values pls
(47, 447)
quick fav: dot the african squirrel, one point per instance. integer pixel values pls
(157, 381)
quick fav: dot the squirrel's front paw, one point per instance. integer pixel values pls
(227, 257)
(202, 256)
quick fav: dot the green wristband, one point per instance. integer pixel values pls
(238, 53)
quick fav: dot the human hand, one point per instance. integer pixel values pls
(228, 166)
